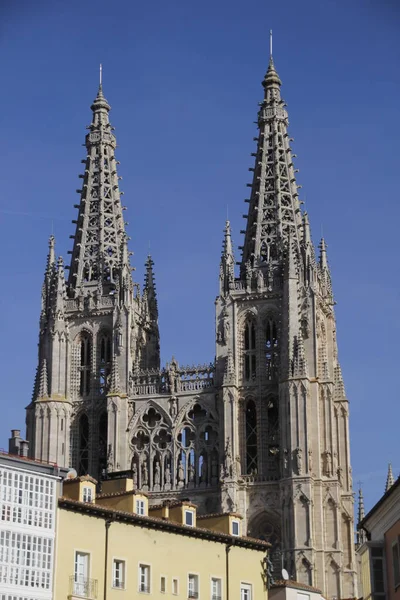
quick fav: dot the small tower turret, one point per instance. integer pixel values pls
(389, 478)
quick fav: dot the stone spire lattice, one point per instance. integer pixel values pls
(100, 231)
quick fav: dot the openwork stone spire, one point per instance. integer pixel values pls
(150, 289)
(390, 478)
(361, 514)
(227, 266)
(100, 230)
(274, 210)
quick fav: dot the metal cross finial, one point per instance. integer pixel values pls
(101, 74)
(270, 43)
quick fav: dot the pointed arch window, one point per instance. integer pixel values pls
(85, 364)
(251, 438)
(250, 357)
(104, 354)
(83, 437)
(271, 349)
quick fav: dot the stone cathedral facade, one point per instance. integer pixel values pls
(261, 430)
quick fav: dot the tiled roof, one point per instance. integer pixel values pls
(294, 584)
(222, 514)
(161, 524)
(121, 493)
(81, 478)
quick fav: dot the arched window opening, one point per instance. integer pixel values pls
(250, 359)
(86, 365)
(83, 437)
(251, 438)
(273, 437)
(271, 350)
(103, 447)
(104, 362)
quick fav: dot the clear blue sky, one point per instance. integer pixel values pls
(183, 79)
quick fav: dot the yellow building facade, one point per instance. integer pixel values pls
(113, 547)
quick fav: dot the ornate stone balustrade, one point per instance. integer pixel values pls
(172, 379)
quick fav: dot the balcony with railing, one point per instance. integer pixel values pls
(82, 587)
(193, 594)
(144, 589)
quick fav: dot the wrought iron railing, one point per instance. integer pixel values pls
(144, 589)
(192, 594)
(83, 587)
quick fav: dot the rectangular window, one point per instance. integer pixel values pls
(163, 585)
(119, 574)
(81, 574)
(144, 579)
(175, 588)
(245, 591)
(87, 494)
(235, 528)
(396, 563)
(193, 586)
(140, 507)
(189, 518)
(215, 588)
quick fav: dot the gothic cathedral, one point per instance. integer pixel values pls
(262, 430)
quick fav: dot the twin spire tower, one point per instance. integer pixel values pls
(263, 429)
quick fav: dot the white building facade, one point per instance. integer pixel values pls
(28, 504)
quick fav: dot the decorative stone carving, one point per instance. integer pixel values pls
(310, 463)
(134, 475)
(181, 474)
(145, 473)
(298, 460)
(157, 475)
(173, 406)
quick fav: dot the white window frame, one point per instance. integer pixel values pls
(195, 593)
(191, 513)
(235, 522)
(140, 507)
(175, 580)
(87, 494)
(122, 577)
(163, 591)
(144, 586)
(80, 587)
(218, 581)
(246, 591)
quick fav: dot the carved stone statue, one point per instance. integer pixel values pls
(167, 475)
(181, 472)
(173, 401)
(190, 473)
(226, 328)
(249, 274)
(157, 474)
(340, 475)
(328, 464)
(260, 280)
(228, 459)
(298, 458)
(110, 459)
(173, 377)
(145, 473)
(134, 475)
(310, 460)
